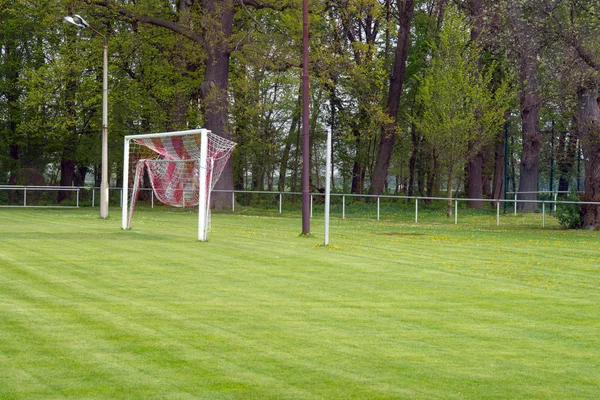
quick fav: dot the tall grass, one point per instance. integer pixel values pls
(391, 309)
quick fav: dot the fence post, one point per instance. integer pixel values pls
(311, 203)
(280, 201)
(343, 206)
(233, 201)
(77, 198)
(416, 210)
(543, 214)
(515, 203)
(152, 198)
(24, 196)
(93, 196)
(455, 211)
(555, 199)
(377, 207)
(498, 213)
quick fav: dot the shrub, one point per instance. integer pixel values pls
(569, 214)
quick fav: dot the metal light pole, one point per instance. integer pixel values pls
(552, 161)
(77, 20)
(305, 128)
(505, 160)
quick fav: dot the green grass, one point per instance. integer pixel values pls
(391, 309)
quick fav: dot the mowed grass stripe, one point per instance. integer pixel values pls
(260, 313)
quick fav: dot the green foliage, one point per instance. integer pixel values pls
(569, 214)
(455, 92)
(461, 103)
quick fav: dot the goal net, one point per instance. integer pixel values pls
(180, 167)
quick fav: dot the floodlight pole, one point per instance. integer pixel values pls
(104, 182)
(327, 188)
(505, 162)
(305, 127)
(82, 23)
(552, 161)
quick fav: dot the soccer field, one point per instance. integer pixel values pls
(390, 310)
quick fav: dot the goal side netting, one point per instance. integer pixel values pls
(181, 168)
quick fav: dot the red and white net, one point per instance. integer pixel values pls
(171, 167)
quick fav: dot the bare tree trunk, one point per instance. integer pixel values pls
(358, 170)
(530, 160)
(449, 204)
(67, 160)
(499, 173)
(589, 131)
(412, 164)
(218, 21)
(283, 166)
(296, 166)
(388, 134)
(432, 177)
(530, 107)
(475, 165)
(475, 181)
(177, 116)
(487, 186)
(358, 178)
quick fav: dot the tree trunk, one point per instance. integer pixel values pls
(421, 170)
(79, 179)
(449, 191)
(499, 172)
(487, 186)
(432, 178)
(177, 117)
(296, 165)
(530, 107)
(412, 164)
(388, 134)
(475, 165)
(67, 161)
(530, 159)
(589, 131)
(283, 166)
(13, 151)
(475, 181)
(358, 178)
(258, 177)
(218, 23)
(358, 170)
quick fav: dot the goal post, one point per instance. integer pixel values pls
(203, 199)
(182, 168)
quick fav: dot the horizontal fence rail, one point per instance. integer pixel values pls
(24, 196)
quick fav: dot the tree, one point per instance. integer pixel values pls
(574, 25)
(461, 107)
(524, 45)
(352, 68)
(390, 123)
(475, 165)
(21, 49)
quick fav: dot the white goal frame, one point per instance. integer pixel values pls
(203, 206)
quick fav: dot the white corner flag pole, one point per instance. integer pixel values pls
(327, 187)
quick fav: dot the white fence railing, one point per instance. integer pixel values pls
(27, 190)
(32, 190)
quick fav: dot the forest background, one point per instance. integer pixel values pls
(421, 96)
